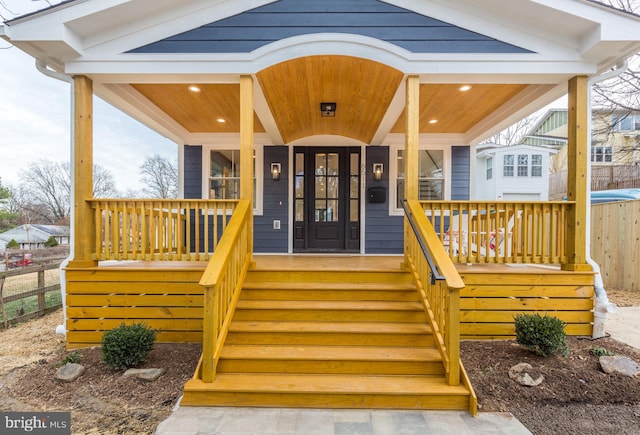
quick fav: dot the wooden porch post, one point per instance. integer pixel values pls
(412, 132)
(246, 146)
(578, 159)
(83, 224)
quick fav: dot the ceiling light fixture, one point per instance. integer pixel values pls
(328, 109)
(194, 88)
(221, 120)
(433, 121)
(464, 88)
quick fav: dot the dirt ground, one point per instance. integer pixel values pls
(575, 398)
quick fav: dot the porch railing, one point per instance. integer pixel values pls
(438, 284)
(160, 230)
(222, 281)
(501, 231)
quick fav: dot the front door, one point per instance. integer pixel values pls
(327, 199)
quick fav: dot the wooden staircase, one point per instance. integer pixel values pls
(329, 339)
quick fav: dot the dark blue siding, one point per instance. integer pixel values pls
(384, 233)
(460, 172)
(275, 205)
(258, 27)
(193, 171)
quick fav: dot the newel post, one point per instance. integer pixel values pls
(82, 170)
(577, 164)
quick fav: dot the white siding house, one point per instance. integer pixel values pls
(512, 173)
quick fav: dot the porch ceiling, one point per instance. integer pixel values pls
(364, 91)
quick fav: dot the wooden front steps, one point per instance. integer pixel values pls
(329, 339)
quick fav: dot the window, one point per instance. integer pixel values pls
(489, 168)
(523, 165)
(601, 154)
(626, 122)
(224, 175)
(430, 175)
(507, 165)
(536, 165)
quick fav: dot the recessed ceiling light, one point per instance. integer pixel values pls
(433, 121)
(194, 88)
(464, 88)
(221, 120)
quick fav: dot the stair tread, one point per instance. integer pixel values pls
(331, 327)
(330, 384)
(296, 285)
(352, 353)
(328, 305)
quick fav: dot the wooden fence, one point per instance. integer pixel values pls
(602, 178)
(39, 291)
(615, 243)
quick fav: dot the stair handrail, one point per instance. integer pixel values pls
(222, 281)
(438, 283)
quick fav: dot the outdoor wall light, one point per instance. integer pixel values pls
(275, 171)
(328, 109)
(378, 171)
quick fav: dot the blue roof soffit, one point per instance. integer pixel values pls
(258, 27)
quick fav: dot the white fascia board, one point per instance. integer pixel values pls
(394, 111)
(521, 23)
(134, 104)
(151, 27)
(225, 139)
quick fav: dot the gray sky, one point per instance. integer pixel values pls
(35, 121)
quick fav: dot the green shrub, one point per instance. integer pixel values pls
(600, 351)
(51, 242)
(13, 244)
(543, 335)
(72, 358)
(127, 345)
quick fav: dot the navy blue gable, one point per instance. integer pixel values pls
(258, 27)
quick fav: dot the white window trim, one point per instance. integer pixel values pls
(393, 174)
(259, 163)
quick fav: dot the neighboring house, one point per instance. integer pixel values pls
(615, 137)
(512, 173)
(34, 236)
(301, 127)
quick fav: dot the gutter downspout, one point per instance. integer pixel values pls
(602, 304)
(42, 67)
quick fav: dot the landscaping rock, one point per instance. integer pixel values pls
(525, 375)
(619, 364)
(145, 374)
(70, 372)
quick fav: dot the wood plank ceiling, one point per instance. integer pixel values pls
(362, 89)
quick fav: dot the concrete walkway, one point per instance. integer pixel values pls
(624, 325)
(192, 420)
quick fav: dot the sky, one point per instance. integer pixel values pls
(35, 121)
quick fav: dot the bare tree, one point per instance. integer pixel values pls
(513, 134)
(47, 189)
(160, 176)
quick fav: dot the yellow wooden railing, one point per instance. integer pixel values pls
(222, 281)
(501, 231)
(159, 230)
(438, 284)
